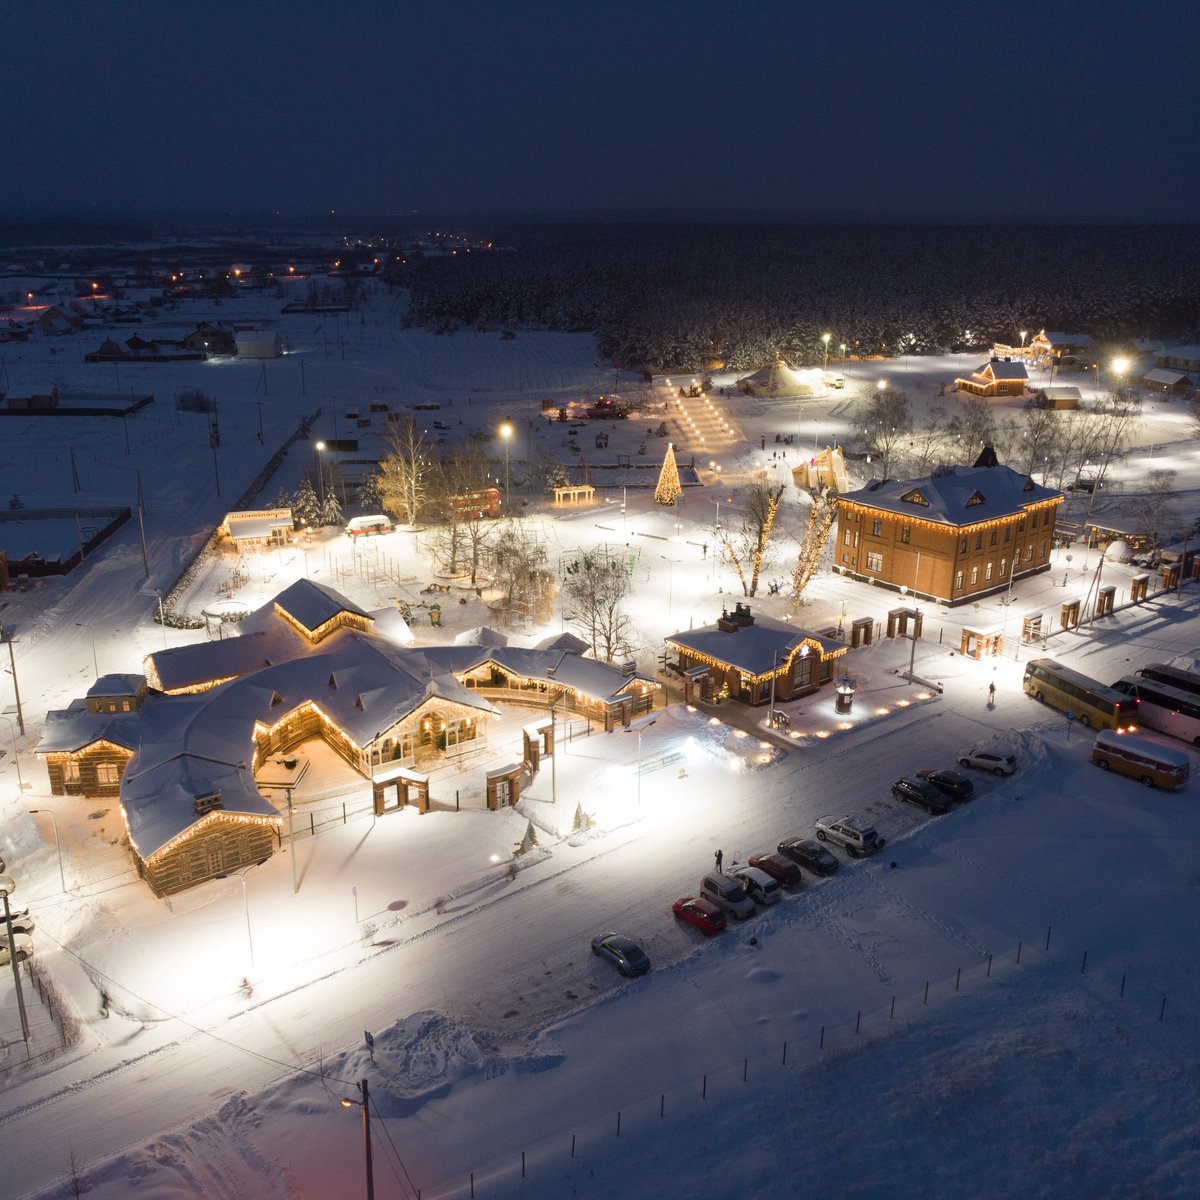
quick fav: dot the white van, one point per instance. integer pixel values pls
(727, 893)
(760, 887)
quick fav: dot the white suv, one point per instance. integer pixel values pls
(854, 836)
(987, 760)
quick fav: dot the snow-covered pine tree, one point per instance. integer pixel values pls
(368, 493)
(305, 509)
(331, 512)
(668, 489)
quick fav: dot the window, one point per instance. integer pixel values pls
(992, 539)
(979, 540)
(962, 546)
(1043, 554)
(1029, 552)
(1008, 533)
(1003, 567)
(108, 773)
(856, 539)
(1021, 525)
(906, 534)
(877, 527)
(874, 562)
(845, 558)
(71, 771)
(974, 576)
(846, 537)
(958, 578)
(987, 575)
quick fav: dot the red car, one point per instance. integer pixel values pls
(785, 873)
(704, 914)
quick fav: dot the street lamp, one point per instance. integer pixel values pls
(365, 1104)
(825, 338)
(92, 636)
(16, 752)
(1022, 340)
(7, 886)
(62, 877)
(506, 432)
(246, 903)
(319, 446)
(843, 348)
(1120, 365)
(639, 727)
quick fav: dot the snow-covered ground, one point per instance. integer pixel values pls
(925, 1022)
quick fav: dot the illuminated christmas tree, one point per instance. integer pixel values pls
(668, 489)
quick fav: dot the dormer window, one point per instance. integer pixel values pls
(205, 804)
(975, 498)
(916, 496)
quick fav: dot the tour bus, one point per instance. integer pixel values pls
(1176, 677)
(1090, 702)
(360, 526)
(1155, 766)
(1168, 709)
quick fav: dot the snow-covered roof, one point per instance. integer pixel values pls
(256, 526)
(481, 635)
(117, 685)
(757, 649)
(1061, 391)
(1002, 368)
(1165, 377)
(1058, 338)
(1189, 352)
(70, 729)
(958, 496)
(312, 604)
(565, 641)
(781, 379)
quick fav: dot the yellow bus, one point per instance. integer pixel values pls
(1153, 765)
(1087, 700)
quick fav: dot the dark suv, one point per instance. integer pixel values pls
(922, 793)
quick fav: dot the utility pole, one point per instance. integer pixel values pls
(12, 659)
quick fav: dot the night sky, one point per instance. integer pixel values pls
(1061, 111)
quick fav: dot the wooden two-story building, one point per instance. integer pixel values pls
(954, 536)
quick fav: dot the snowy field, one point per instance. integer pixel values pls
(1002, 1003)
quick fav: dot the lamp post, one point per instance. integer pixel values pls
(825, 338)
(506, 432)
(1120, 365)
(92, 636)
(62, 876)
(16, 752)
(246, 903)
(365, 1105)
(639, 727)
(8, 885)
(318, 447)
(843, 358)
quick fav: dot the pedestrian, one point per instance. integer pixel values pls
(991, 693)
(764, 442)
(704, 548)
(719, 857)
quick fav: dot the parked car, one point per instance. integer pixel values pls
(623, 952)
(854, 836)
(921, 793)
(22, 922)
(760, 887)
(785, 873)
(727, 893)
(954, 784)
(810, 855)
(703, 914)
(987, 760)
(24, 948)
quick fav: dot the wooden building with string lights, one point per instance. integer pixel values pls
(956, 535)
(743, 657)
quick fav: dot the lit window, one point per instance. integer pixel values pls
(874, 562)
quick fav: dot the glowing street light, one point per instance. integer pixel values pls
(639, 727)
(825, 338)
(365, 1105)
(506, 432)
(319, 446)
(1022, 339)
(843, 358)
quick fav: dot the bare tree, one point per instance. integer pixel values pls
(406, 472)
(528, 585)
(973, 427)
(594, 588)
(458, 494)
(821, 515)
(928, 441)
(1152, 508)
(747, 549)
(888, 423)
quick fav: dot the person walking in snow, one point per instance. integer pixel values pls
(719, 856)
(991, 694)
